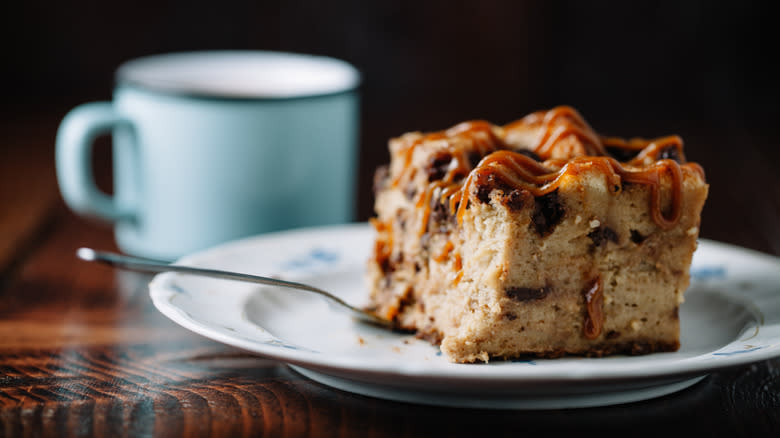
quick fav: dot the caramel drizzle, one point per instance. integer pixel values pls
(522, 172)
(383, 249)
(594, 304)
(468, 130)
(645, 148)
(483, 145)
(458, 266)
(558, 124)
(445, 252)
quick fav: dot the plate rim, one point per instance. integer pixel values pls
(346, 365)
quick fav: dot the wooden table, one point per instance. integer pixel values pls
(83, 352)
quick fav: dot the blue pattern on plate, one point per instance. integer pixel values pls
(314, 258)
(731, 353)
(279, 343)
(708, 272)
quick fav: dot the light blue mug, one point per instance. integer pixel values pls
(213, 146)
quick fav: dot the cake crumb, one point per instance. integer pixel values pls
(361, 341)
(396, 349)
(594, 223)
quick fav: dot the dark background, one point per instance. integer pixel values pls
(704, 70)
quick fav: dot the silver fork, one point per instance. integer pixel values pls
(155, 266)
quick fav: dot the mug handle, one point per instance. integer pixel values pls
(75, 137)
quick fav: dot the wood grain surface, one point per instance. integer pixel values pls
(84, 353)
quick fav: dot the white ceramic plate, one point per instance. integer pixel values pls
(731, 316)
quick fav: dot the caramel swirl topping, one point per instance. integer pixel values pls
(535, 153)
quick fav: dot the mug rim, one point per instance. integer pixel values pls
(181, 94)
(148, 73)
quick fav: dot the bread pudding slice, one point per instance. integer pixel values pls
(536, 238)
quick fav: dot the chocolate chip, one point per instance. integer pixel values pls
(483, 193)
(601, 235)
(386, 267)
(669, 153)
(622, 154)
(637, 237)
(612, 334)
(529, 153)
(438, 166)
(486, 183)
(527, 293)
(514, 200)
(548, 212)
(391, 264)
(381, 177)
(510, 316)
